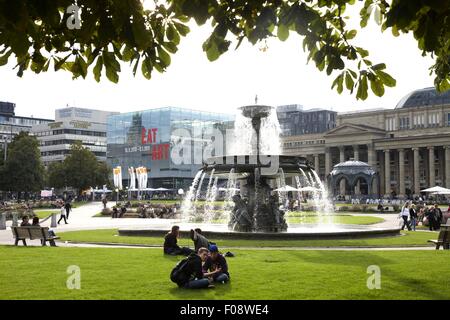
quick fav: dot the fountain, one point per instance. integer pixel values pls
(255, 173)
(259, 169)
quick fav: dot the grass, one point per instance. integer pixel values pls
(45, 213)
(409, 238)
(144, 274)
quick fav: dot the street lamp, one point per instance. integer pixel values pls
(117, 198)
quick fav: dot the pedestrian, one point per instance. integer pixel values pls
(104, 201)
(429, 214)
(438, 216)
(413, 216)
(68, 208)
(404, 214)
(63, 215)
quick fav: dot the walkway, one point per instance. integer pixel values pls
(82, 218)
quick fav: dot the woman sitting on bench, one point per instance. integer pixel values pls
(50, 232)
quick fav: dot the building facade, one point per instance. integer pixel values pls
(71, 125)
(408, 146)
(295, 121)
(11, 125)
(152, 138)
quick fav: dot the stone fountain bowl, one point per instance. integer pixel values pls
(246, 164)
(256, 111)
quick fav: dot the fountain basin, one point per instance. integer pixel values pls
(295, 232)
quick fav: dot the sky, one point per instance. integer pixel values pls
(278, 76)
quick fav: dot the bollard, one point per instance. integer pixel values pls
(15, 218)
(3, 221)
(53, 223)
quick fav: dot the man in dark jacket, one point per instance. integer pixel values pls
(170, 243)
(437, 216)
(68, 208)
(191, 275)
(217, 265)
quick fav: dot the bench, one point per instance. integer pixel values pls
(443, 238)
(32, 233)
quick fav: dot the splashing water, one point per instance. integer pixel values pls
(187, 208)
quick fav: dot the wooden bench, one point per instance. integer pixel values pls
(32, 233)
(443, 238)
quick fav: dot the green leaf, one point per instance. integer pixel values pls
(349, 83)
(5, 57)
(98, 69)
(163, 56)
(283, 32)
(351, 34)
(182, 29)
(386, 78)
(172, 34)
(146, 68)
(362, 88)
(377, 87)
(380, 66)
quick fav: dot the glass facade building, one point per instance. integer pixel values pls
(153, 138)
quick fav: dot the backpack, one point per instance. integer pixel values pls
(178, 274)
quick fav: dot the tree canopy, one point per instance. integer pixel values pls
(23, 169)
(35, 34)
(80, 170)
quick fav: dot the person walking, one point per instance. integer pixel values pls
(429, 214)
(404, 214)
(438, 216)
(63, 215)
(413, 216)
(68, 208)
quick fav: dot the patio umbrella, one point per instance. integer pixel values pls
(286, 189)
(436, 189)
(162, 189)
(309, 189)
(447, 192)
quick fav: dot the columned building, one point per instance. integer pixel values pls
(408, 146)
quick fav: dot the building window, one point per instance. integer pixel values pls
(390, 124)
(433, 119)
(418, 121)
(404, 123)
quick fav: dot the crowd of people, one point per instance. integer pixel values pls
(413, 214)
(146, 210)
(203, 266)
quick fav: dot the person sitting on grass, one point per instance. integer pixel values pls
(216, 265)
(25, 221)
(200, 241)
(170, 243)
(188, 273)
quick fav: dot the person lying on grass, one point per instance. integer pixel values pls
(170, 243)
(188, 273)
(217, 266)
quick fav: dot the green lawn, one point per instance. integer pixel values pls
(41, 273)
(111, 236)
(335, 219)
(45, 213)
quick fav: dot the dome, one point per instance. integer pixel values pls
(352, 167)
(424, 97)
